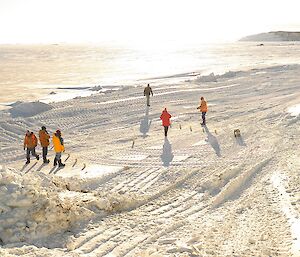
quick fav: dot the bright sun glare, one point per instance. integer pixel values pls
(141, 22)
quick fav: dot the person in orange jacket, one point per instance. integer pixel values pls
(203, 110)
(30, 143)
(165, 117)
(44, 140)
(58, 143)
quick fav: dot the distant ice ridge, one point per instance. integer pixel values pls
(212, 77)
(274, 36)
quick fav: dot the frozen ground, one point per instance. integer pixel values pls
(127, 191)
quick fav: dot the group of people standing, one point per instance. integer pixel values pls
(166, 116)
(31, 142)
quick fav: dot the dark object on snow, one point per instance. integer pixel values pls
(147, 93)
(237, 133)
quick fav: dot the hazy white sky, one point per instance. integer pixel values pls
(142, 21)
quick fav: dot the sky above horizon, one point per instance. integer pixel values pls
(143, 22)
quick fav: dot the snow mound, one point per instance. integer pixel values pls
(208, 78)
(214, 78)
(36, 206)
(23, 109)
(96, 88)
(31, 207)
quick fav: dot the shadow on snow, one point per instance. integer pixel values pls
(167, 155)
(213, 141)
(145, 123)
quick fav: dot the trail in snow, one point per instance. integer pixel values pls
(201, 192)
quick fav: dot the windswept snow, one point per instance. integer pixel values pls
(128, 191)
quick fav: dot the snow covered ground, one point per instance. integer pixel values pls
(128, 191)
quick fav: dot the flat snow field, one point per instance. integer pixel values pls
(128, 191)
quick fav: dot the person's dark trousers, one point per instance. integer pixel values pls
(166, 130)
(31, 151)
(57, 159)
(45, 152)
(203, 117)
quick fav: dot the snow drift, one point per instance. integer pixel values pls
(23, 109)
(31, 207)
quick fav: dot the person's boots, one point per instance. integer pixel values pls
(60, 164)
(46, 160)
(55, 162)
(28, 161)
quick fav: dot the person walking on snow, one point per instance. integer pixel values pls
(203, 110)
(44, 140)
(165, 117)
(147, 92)
(58, 144)
(30, 142)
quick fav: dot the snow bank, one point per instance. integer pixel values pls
(31, 208)
(23, 109)
(35, 206)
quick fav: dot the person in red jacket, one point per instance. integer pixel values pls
(165, 117)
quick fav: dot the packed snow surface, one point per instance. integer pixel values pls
(127, 190)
